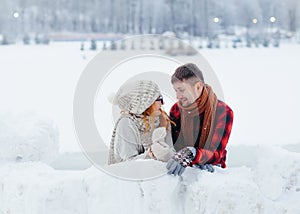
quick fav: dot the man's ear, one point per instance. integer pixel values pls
(198, 86)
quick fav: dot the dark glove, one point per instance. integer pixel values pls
(181, 160)
(208, 167)
(174, 167)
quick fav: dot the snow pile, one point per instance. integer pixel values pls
(270, 186)
(136, 170)
(27, 137)
(259, 179)
(34, 188)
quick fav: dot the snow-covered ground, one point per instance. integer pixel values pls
(272, 185)
(37, 85)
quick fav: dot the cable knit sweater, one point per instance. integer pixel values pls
(131, 141)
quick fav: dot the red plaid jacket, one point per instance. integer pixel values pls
(216, 154)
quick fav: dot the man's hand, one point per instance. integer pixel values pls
(208, 167)
(181, 160)
(175, 168)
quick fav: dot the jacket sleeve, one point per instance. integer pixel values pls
(127, 142)
(216, 154)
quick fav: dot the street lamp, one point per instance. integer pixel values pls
(274, 35)
(255, 21)
(216, 32)
(16, 14)
(216, 20)
(15, 23)
(272, 19)
(252, 35)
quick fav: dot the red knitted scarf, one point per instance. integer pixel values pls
(206, 104)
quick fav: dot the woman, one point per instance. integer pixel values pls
(143, 130)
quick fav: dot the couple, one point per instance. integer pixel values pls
(195, 134)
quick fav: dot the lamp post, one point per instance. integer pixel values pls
(255, 32)
(16, 16)
(266, 42)
(254, 21)
(274, 35)
(216, 20)
(250, 32)
(272, 21)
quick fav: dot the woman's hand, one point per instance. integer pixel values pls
(159, 134)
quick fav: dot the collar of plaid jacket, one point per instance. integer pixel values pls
(206, 104)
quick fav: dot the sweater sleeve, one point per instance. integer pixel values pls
(169, 140)
(127, 141)
(216, 154)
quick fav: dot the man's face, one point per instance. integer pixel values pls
(187, 93)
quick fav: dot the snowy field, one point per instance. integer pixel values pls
(37, 85)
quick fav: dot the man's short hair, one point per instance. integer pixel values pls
(189, 72)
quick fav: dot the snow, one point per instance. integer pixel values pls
(42, 169)
(258, 83)
(261, 85)
(36, 188)
(267, 187)
(28, 137)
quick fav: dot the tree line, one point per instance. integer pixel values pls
(194, 17)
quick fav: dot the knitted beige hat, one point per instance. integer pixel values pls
(137, 96)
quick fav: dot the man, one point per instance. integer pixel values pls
(203, 123)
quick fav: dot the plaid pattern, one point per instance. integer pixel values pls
(216, 153)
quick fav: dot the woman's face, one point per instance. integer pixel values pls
(157, 104)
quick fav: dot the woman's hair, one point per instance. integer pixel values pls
(164, 118)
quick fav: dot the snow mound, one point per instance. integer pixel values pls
(28, 137)
(34, 188)
(271, 185)
(137, 170)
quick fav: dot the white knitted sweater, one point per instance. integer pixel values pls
(129, 141)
